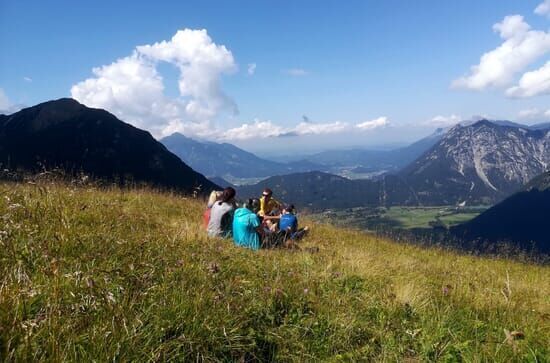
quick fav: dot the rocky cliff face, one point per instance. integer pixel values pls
(479, 163)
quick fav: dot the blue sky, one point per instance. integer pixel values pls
(339, 63)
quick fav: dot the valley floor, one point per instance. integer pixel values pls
(399, 217)
(88, 274)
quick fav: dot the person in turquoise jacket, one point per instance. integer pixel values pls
(246, 227)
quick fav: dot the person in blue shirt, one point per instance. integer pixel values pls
(247, 228)
(289, 223)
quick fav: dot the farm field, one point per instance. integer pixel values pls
(399, 217)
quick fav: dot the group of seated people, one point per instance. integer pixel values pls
(257, 223)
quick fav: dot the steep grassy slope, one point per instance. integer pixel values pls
(129, 275)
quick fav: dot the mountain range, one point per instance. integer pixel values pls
(373, 160)
(232, 163)
(228, 161)
(479, 163)
(68, 135)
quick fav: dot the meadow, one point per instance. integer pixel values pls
(399, 217)
(100, 274)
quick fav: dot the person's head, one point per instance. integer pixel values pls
(214, 196)
(227, 196)
(267, 193)
(252, 204)
(288, 208)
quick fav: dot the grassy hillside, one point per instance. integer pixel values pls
(129, 275)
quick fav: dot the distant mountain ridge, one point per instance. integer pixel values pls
(227, 160)
(319, 191)
(68, 135)
(390, 160)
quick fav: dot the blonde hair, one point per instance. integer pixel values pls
(214, 196)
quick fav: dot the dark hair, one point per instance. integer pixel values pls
(227, 194)
(289, 207)
(252, 204)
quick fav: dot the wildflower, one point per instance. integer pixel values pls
(413, 333)
(446, 290)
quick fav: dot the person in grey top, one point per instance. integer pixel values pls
(221, 214)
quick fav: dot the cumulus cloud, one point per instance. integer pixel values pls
(132, 88)
(201, 62)
(532, 83)
(443, 121)
(543, 8)
(295, 72)
(373, 124)
(521, 47)
(251, 69)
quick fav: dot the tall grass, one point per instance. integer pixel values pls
(111, 275)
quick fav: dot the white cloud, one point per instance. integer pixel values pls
(258, 129)
(529, 113)
(443, 121)
(296, 72)
(533, 113)
(497, 68)
(310, 128)
(201, 63)
(27, 79)
(133, 89)
(4, 101)
(267, 129)
(251, 69)
(6, 105)
(532, 83)
(373, 124)
(543, 8)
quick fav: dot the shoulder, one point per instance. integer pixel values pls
(228, 206)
